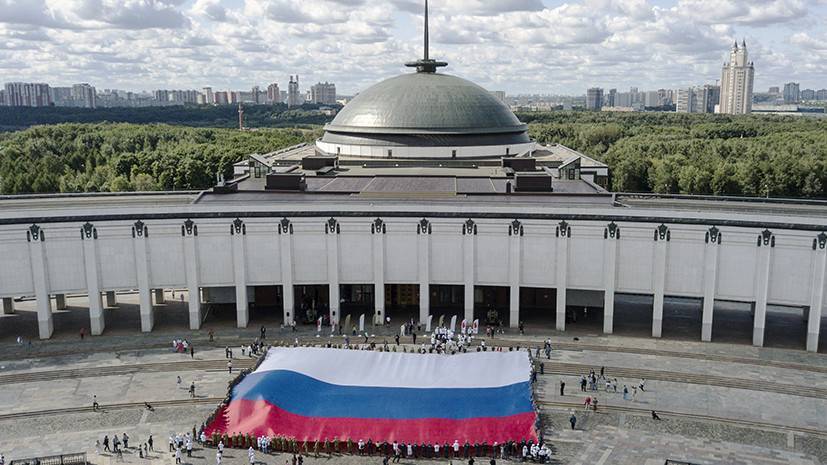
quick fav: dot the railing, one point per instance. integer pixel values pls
(65, 459)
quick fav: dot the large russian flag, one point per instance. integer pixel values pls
(314, 394)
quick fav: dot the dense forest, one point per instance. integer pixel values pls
(221, 116)
(646, 152)
(124, 157)
(696, 153)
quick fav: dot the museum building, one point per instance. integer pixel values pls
(425, 197)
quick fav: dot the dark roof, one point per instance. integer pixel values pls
(426, 103)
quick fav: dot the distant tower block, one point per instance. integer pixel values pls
(240, 116)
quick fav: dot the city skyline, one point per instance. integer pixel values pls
(529, 46)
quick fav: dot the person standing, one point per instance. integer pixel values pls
(573, 420)
(562, 388)
(177, 456)
(149, 442)
(625, 392)
(642, 384)
(230, 367)
(82, 333)
(263, 333)
(192, 390)
(192, 351)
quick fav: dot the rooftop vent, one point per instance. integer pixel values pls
(316, 162)
(286, 182)
(533, 182)
(520, 163)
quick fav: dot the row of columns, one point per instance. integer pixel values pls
(189, 232)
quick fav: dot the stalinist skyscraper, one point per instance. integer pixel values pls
(736, 82)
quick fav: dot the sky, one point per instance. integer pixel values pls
(519, 46)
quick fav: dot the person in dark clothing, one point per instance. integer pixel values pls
(655, 415)
(573, 421)
(562, 388)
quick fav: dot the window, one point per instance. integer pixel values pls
(390, 153)
(453, 153)
(258, 170)
(507, 151)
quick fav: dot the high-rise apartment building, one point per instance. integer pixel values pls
(256, 95)
(698, 99)
(821, 94)
(709, 97)
(792, 92)
(687, 101)
(62, 96)
(294, 98)
(84, 96)
(808, 95)
(273, 93)
(221, 98)
(737, 80)
(27, 94)
(499, 95)
(161, 96)
(323, 93)
(775, 90)
(594, 99)
(611, 98)
(209, 98)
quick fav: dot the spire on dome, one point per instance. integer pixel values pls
(744, 43)
(426, 64)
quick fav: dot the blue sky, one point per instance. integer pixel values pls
(520, 46)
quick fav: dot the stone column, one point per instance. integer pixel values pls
(333, 228)
(611, 235)
(139, 240)
(563, 234)
(516, 231)
(60, 302)
(378, 230)
(159, 296)
(817, 291)
(711, 257)
(97, 319)
(189, 232)
(8, 305)
(238, 233)
(285, 231)
(469, 232)
(40, 278)
(423, 230)
(766, 242)
(662, 238)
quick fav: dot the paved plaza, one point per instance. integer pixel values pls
(720, 403)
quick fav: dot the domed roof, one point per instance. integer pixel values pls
(425, 103)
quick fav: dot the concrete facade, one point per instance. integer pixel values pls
(710, 255)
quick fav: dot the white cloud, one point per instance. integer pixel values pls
(525, 46)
